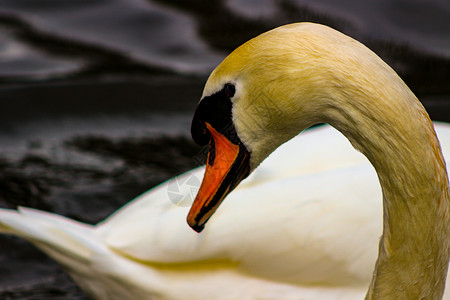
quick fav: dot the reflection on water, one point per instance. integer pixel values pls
(97, 96)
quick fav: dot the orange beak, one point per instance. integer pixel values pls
(227, 165)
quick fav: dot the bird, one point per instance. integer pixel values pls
(285, 80)
(305, 224)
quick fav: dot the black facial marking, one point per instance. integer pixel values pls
(217, 111)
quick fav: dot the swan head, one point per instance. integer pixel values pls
(267, 91)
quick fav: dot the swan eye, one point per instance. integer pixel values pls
(230, 90)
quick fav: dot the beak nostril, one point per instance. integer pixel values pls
(216, 110)
(211, 152)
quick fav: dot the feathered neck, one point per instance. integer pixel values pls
(414, 247)
(301, 74)
(388, 124)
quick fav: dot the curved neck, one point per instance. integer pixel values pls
(336, 80)
(399, 140)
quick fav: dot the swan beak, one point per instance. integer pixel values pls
(227, 165)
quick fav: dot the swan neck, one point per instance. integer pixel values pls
(403, 148)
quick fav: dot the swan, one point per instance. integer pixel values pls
(320, 244)
(285, 80)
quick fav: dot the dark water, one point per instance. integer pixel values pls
(96, 96)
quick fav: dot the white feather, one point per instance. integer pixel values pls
(280, 235)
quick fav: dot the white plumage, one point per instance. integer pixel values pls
(306, 228)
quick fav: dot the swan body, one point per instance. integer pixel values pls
(145, 251)
(317, 241)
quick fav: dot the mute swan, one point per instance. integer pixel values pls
(321, 245)
(285, 80)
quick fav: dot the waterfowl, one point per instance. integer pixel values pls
(285, 80)
(317, 240)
